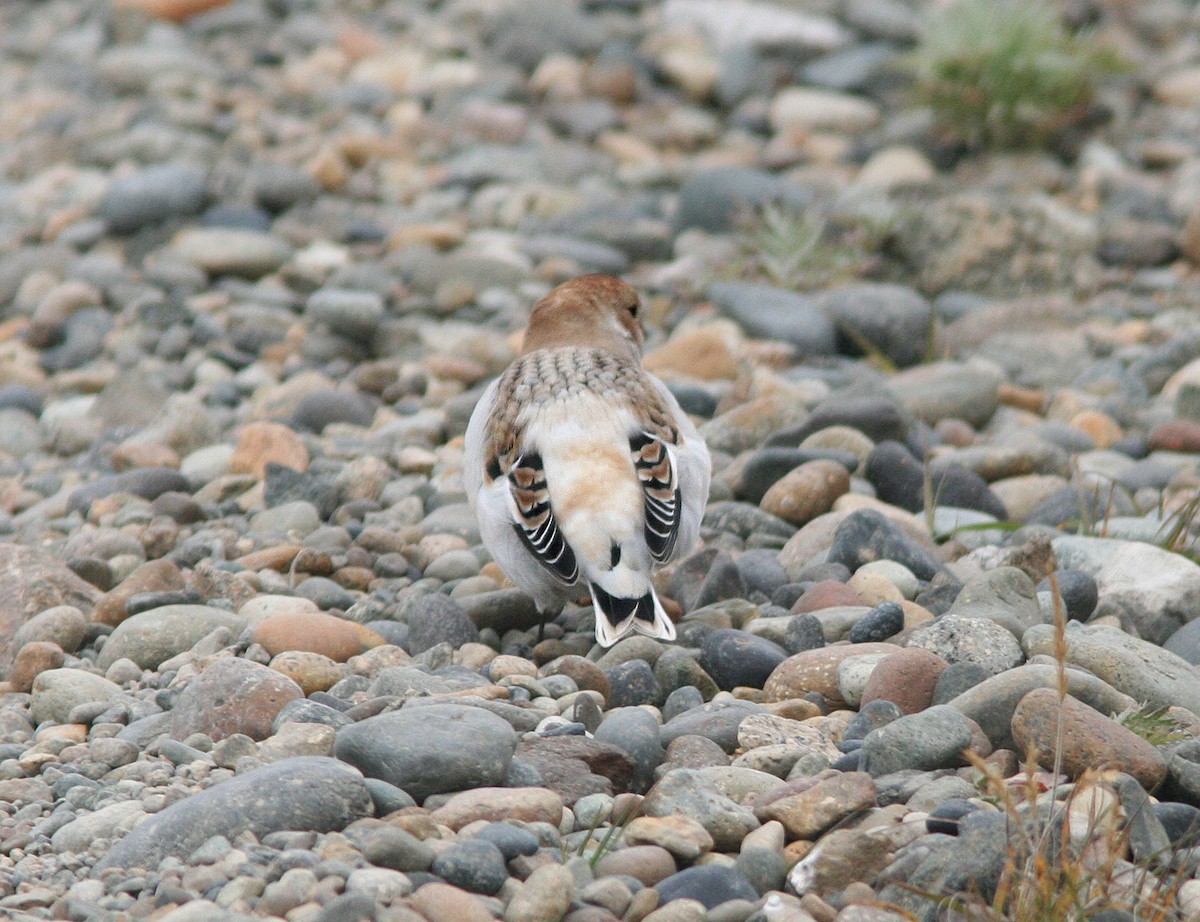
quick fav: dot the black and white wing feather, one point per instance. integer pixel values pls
(533, 518)
(656, 472)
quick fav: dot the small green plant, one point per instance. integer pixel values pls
(1006, 73)
(1153, 724)
(799, 249)
(609, 841)
(1178, 528)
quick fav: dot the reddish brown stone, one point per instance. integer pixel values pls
(1177, 435)
(264, 442)
(586, 674)
(1090, 740)
(528, 805)
(232, 696)
(152, 576)
(806, 813)
(314, 632)
(816, 670)
(575, 766)
(906, 678)
(807, 491)
(651, 864)
(32, 581)
(33, 659)
(828, 593)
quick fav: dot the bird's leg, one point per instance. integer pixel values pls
(544, 615)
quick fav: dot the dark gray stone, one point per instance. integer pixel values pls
(146, 482)
(430, 749)
(1079, 593)
(633, 683)
(745, 520)
(956, 679)
(776, 313)
(721, 199)
(282, 484)
(737, 658)
(894, 319)
(501, 610)
(317, 410)
(325, 593)
(874, 714)
(803, 632)
(878, 417)
(309, 793)
(709, 884)
(152, 195)
(761, 571)
(717, 721)
(883, 621)
(387, 797)
(899, 479)
(437, 618)
(930, 739)
(1073, 509)
(637, 732)
(304, 710)
(947, 816)
(474, 864)
(513, 841)
(866, 535)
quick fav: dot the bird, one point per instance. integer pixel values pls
(581, 467)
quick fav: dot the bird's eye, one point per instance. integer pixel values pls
(633, 309)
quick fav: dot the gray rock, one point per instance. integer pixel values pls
(1142, 670)
(278, 186)
(776, 313)
(1158, 590)
(501, 610)
(637, 732)
(353, 314)
(474, 864)
(1005, 595)
(930, 739)
(991, 703)
(157, 635)
(893, 319)
(319, 409)
(153, 194)
(736, 658)
(431, 749)
(146, 482)
(690, 792)
(717, 721)
(865, 536)
(717, 200)
(949, 390)
(435, 619)
(57, 691)
(309, 793)
(969, 640)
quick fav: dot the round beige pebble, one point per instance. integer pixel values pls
(311, 671)
(806, 492)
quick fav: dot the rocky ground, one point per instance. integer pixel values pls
(255, 268)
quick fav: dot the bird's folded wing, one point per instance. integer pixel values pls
(533, 518)
(656, 471)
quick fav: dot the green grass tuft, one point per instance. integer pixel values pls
(1006, 73)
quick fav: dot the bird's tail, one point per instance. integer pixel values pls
(617, 616)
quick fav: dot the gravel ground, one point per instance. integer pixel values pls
(257, 266)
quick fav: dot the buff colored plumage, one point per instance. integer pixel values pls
(583, 470)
